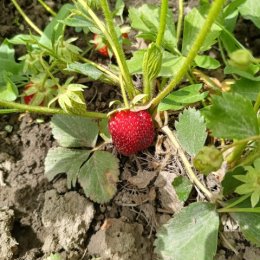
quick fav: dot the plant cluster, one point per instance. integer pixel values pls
(218, 121)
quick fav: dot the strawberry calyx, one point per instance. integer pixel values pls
(39, 94)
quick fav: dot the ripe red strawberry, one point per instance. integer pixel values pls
(131, 131)
(28, 98)
(100, 46)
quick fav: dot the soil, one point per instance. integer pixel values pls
(38, 218)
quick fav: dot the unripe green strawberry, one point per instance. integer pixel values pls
(208, 159)
(131, 131)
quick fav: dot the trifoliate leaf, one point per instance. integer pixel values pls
(63, 160)
(99, 175)
(231, 116)
(191, 131)
(74, 131)
(195, 227)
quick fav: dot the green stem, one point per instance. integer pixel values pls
(257, 103)
(49, 73)
(47, 8)
(231, 36)
(246, 210)
(238, 201)
(179, 23)
(251, 157)
(46, 110)
(212, 15)
(8, 111)
(123, 92)
(26, 18)
(108, 73)
(163, 83)
(236, 153)
(192, 176)
(118, 50)
(242, 141)
(222, 54)
(163, 18)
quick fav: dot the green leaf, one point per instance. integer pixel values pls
(152, 62)
(99, 175)
(77, 22)
(183, 187)
(191, 131)
(182, 97)
(119, 8)
(231, 116)
(8, 65)
(195, 227)
(250, 10)
(9, 92)
(103, 129)
(247, 75)
(193, 23)
(54, 29)
(63, 160)
(249, 223)
(247, 88)
(146, 19)
(206, 62)
(251, 183)
(85, 69)
(230, 183)
(21, 39)
(74, 131)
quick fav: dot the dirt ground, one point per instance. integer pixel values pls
(38, 218)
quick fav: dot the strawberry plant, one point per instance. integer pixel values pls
(212, 123)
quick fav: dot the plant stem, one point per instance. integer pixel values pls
(231, 36)
(211, 17)
(8, 111)
(246, 210)
(192, 176)
(257, 103)
(26, 18)
(118, 50)
(46, 110)
(47, 8)
(114, 78)
(242, 141)
(163, 18)
(222, 54)
(48, 72)
(123, 92)
(179, 23)
(238, 201)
